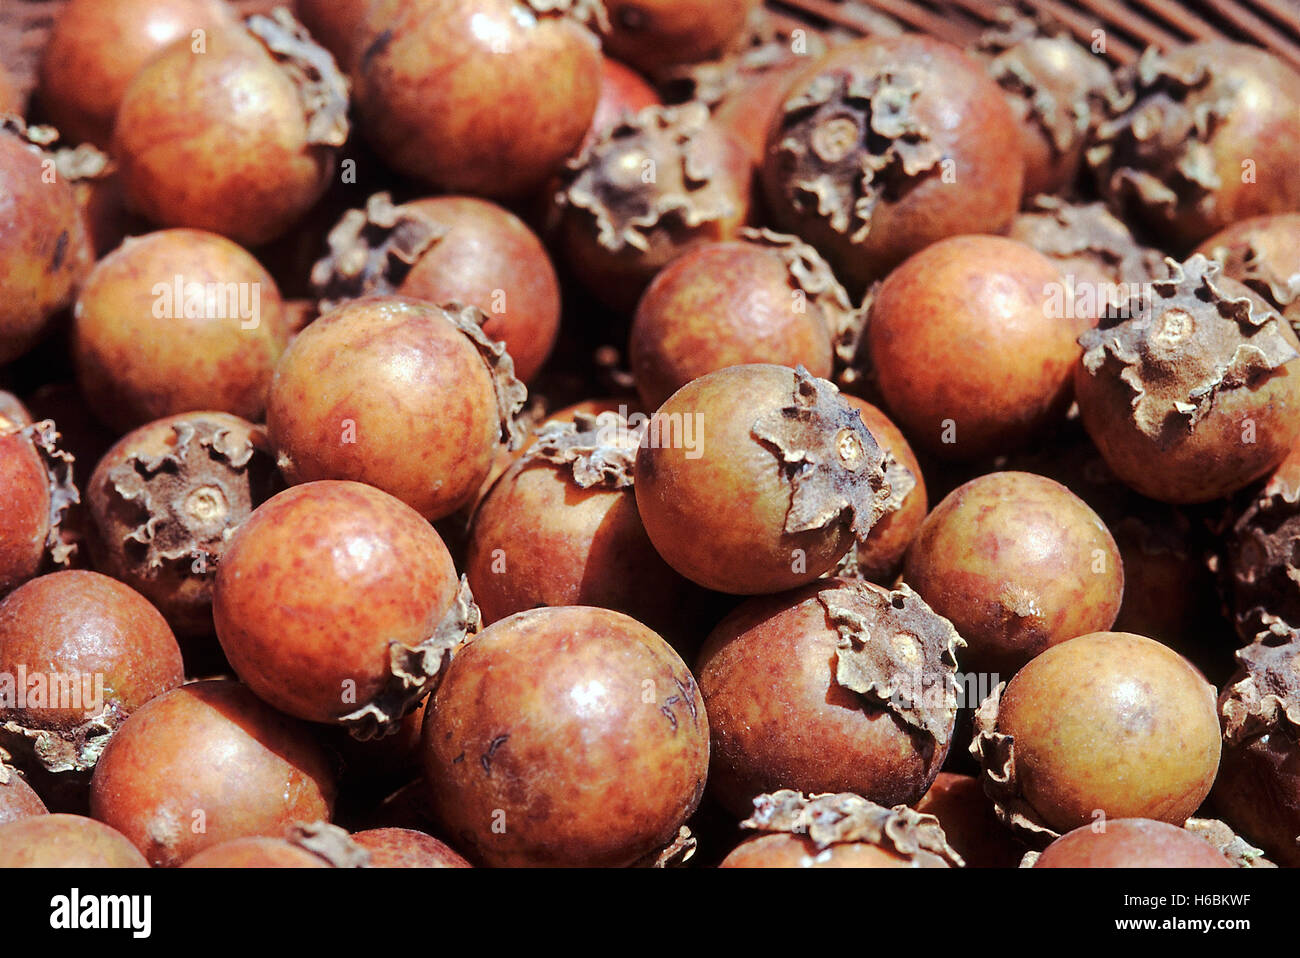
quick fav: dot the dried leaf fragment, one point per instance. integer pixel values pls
(1266, 698)
(598, 450)
(322, 87)
(329, 843)
(995, 751)
(512, 395)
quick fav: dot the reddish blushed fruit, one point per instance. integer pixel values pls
(17, 799)
(748, 113)
(652, 34)
(552, 697)
(1263, 253)
(969, 824)
(177, 321)
(418, 408)
(1131, 843)
(969, 349)
(797, 851)
(442, 104)
(623, 92)
(11, 101)
(1018, 563)
(1107, 722)
(65, 841)
(782, 719)
(728, 304)
(256, 853)
(286, 609)
(881, 555)
(233, 138)
(37, 482)
(335, 25)
(209, 753)
(98, 46)
(406, 848)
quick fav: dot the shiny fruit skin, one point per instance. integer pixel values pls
(287, 603)
(65, 841)
(387, 391)
(581, 726)
(442, 105)
(720, 305)
(967, 353)
(969, 824)
(1131, 843)
(209, 747)
(255, 852)
(406, 848)
(135, 365)
(780, 720)
(1017, 563)
(623, 92)
(1115, 722)
(799, 851)
(881, 555)
(652, 34)
(98, 46)
(490, 259)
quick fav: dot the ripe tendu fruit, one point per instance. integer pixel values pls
(36, 476)
(969, 823)
(65, 841)
(17, 799)
(651, 34)
(1131, 843)
(406, 848)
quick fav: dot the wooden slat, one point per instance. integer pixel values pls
(1181, 17)
(1258, 30)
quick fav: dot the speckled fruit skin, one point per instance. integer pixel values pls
(387, 391)
(256, 853)
(25, 520)
(652, 34)
(441, 105)
(581, 726)
(488, 258)
(135, 366)
(538, 539)
(967, 118)
(83, 623)
(966, 352)
(1213, 461)
(720, 305)
(288, 606)
(1268, 242)
(65, 841)
(335, 25)
(1017, 563)
(798, 851)
(1115, 722)
(44, 251)
(182, 596)
(780, 720)
(1258, 792)
(98, 46)
(209, 747)
(719, 518)
(969, 824)
(406, 848)
(881, 556)
(18, 800)
(1131, 843)
(219, 141)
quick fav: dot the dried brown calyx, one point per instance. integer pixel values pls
(675, 854)
(1265, 257)
(179, 507)
(1198, 334)
(322, 87)
(896, 653)
(1066, 88)
(65, 751)
(44, 437)
(851, 819)
(609, 180)
(590, 13)
(512, 395)
(413, 672)
(1084, 238)
(1265, 697)
(849, 141)
(372, 250)
(1232, 846)
(597, 450)
(1261, 551)
(331, 844)
(1155, 148)
(811, 276)
(995, 752)
(834, 464)
(79, 164)
(38, 138)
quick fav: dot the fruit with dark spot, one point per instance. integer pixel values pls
(207, 763)
(406, 396)
(1131, 843)
(969, 824)
(288, 619)
(65, 841)
(652, 34)
(787, 684)
(406, 848)
(887, 145)
(756, 479)
(969, 347)
(565, 737)
(239, 137)
(93, 652)
(1018, 563)
(177, 321)
(98, 46)
(1108, 723)
(442, 104)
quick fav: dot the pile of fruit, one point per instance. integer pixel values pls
(551, 433)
